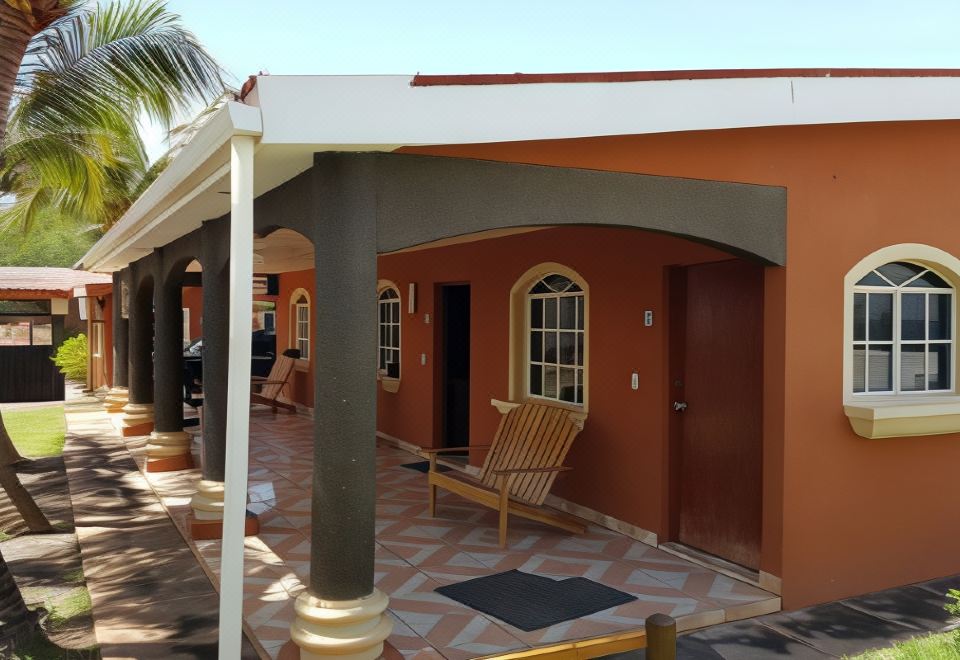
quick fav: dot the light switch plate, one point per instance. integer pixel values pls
(635, 381)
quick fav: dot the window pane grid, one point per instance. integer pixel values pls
(555, 336)
(302, 330)
(916, 357)
(388, 337)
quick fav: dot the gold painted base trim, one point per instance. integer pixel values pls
(347, 629)
(207, 502)
(116, 399)
(137, 414)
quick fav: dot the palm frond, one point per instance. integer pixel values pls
(135, 56)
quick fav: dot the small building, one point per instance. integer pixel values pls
(39, 307)
(746, 279)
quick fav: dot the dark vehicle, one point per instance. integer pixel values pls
(263, 355)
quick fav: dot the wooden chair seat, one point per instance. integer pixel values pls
(521, 465)
(269, 388)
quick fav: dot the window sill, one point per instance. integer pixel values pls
(301, 365)
(391, 385)
(899, 417)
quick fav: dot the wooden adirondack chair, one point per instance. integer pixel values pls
(271, 386)
(521, 465)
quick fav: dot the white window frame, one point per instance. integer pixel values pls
(580, 330)
(186, 326)
(381, 346)
(298, 340)
(96, 329)
(896, 341)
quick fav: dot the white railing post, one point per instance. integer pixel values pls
(238, 395)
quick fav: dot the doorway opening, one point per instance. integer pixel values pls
(454, 365)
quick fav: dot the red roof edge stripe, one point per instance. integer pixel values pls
(420, 80)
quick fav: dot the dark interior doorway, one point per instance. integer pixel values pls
(455, 364)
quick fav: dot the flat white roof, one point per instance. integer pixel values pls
(295, 116)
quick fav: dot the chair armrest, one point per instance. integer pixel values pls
(445, 450)
(559, 468)
(268, 382)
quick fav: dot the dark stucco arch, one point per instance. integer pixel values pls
(420, 199)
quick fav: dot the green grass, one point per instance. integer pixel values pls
(36, 432)
(940, 646)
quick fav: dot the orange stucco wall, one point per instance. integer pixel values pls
(624, 442)
(857, 515)
(301, 388)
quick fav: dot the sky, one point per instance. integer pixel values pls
(530, 36)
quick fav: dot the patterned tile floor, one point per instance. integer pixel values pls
(415, 554)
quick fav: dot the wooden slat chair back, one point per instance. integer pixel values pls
(273, 384)
(531, 436)
(522, 463)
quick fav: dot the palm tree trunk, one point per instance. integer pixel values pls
(16, 621)
(15, 33)
(21, 498)
(10, 482)
(8, 453)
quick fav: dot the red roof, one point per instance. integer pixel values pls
(639, 76)
(47, 282)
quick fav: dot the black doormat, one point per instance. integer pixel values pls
(424, 466)
(531, 602)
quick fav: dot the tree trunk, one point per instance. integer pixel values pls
(16, 30)
(16, 621)
(21, 498)
(8, 453)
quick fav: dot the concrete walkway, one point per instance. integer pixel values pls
(833, 630)
(150, 597)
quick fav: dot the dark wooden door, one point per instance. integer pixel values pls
(721, 438)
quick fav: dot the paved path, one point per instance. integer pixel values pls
(47, 566)
(845, 627)
(150, 597)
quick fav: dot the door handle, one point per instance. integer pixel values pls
(679, 406)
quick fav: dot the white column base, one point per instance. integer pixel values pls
(346, 629)
(207, 502)
(135, 414)
(116, 399)
(164, 444)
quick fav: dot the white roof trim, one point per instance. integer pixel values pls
(295, 116)
(153, 205)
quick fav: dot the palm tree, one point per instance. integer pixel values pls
(72, 141)
(74, 81)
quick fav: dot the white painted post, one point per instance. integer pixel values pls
(238, 395)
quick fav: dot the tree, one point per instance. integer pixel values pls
(74, 82)
(83, 83)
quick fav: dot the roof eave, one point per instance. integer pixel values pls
(230, 120)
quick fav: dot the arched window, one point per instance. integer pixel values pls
(556, 339)
(300, 322)
(388, 343)
(903, 332)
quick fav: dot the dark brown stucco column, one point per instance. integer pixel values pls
(216, 317)
(207, 502)
(116, 398)
(138, 413)
(344, 463)
(169, 445)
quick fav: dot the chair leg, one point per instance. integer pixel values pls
(433, 487)
(504, 485)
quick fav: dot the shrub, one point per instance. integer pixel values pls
(71, 357)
